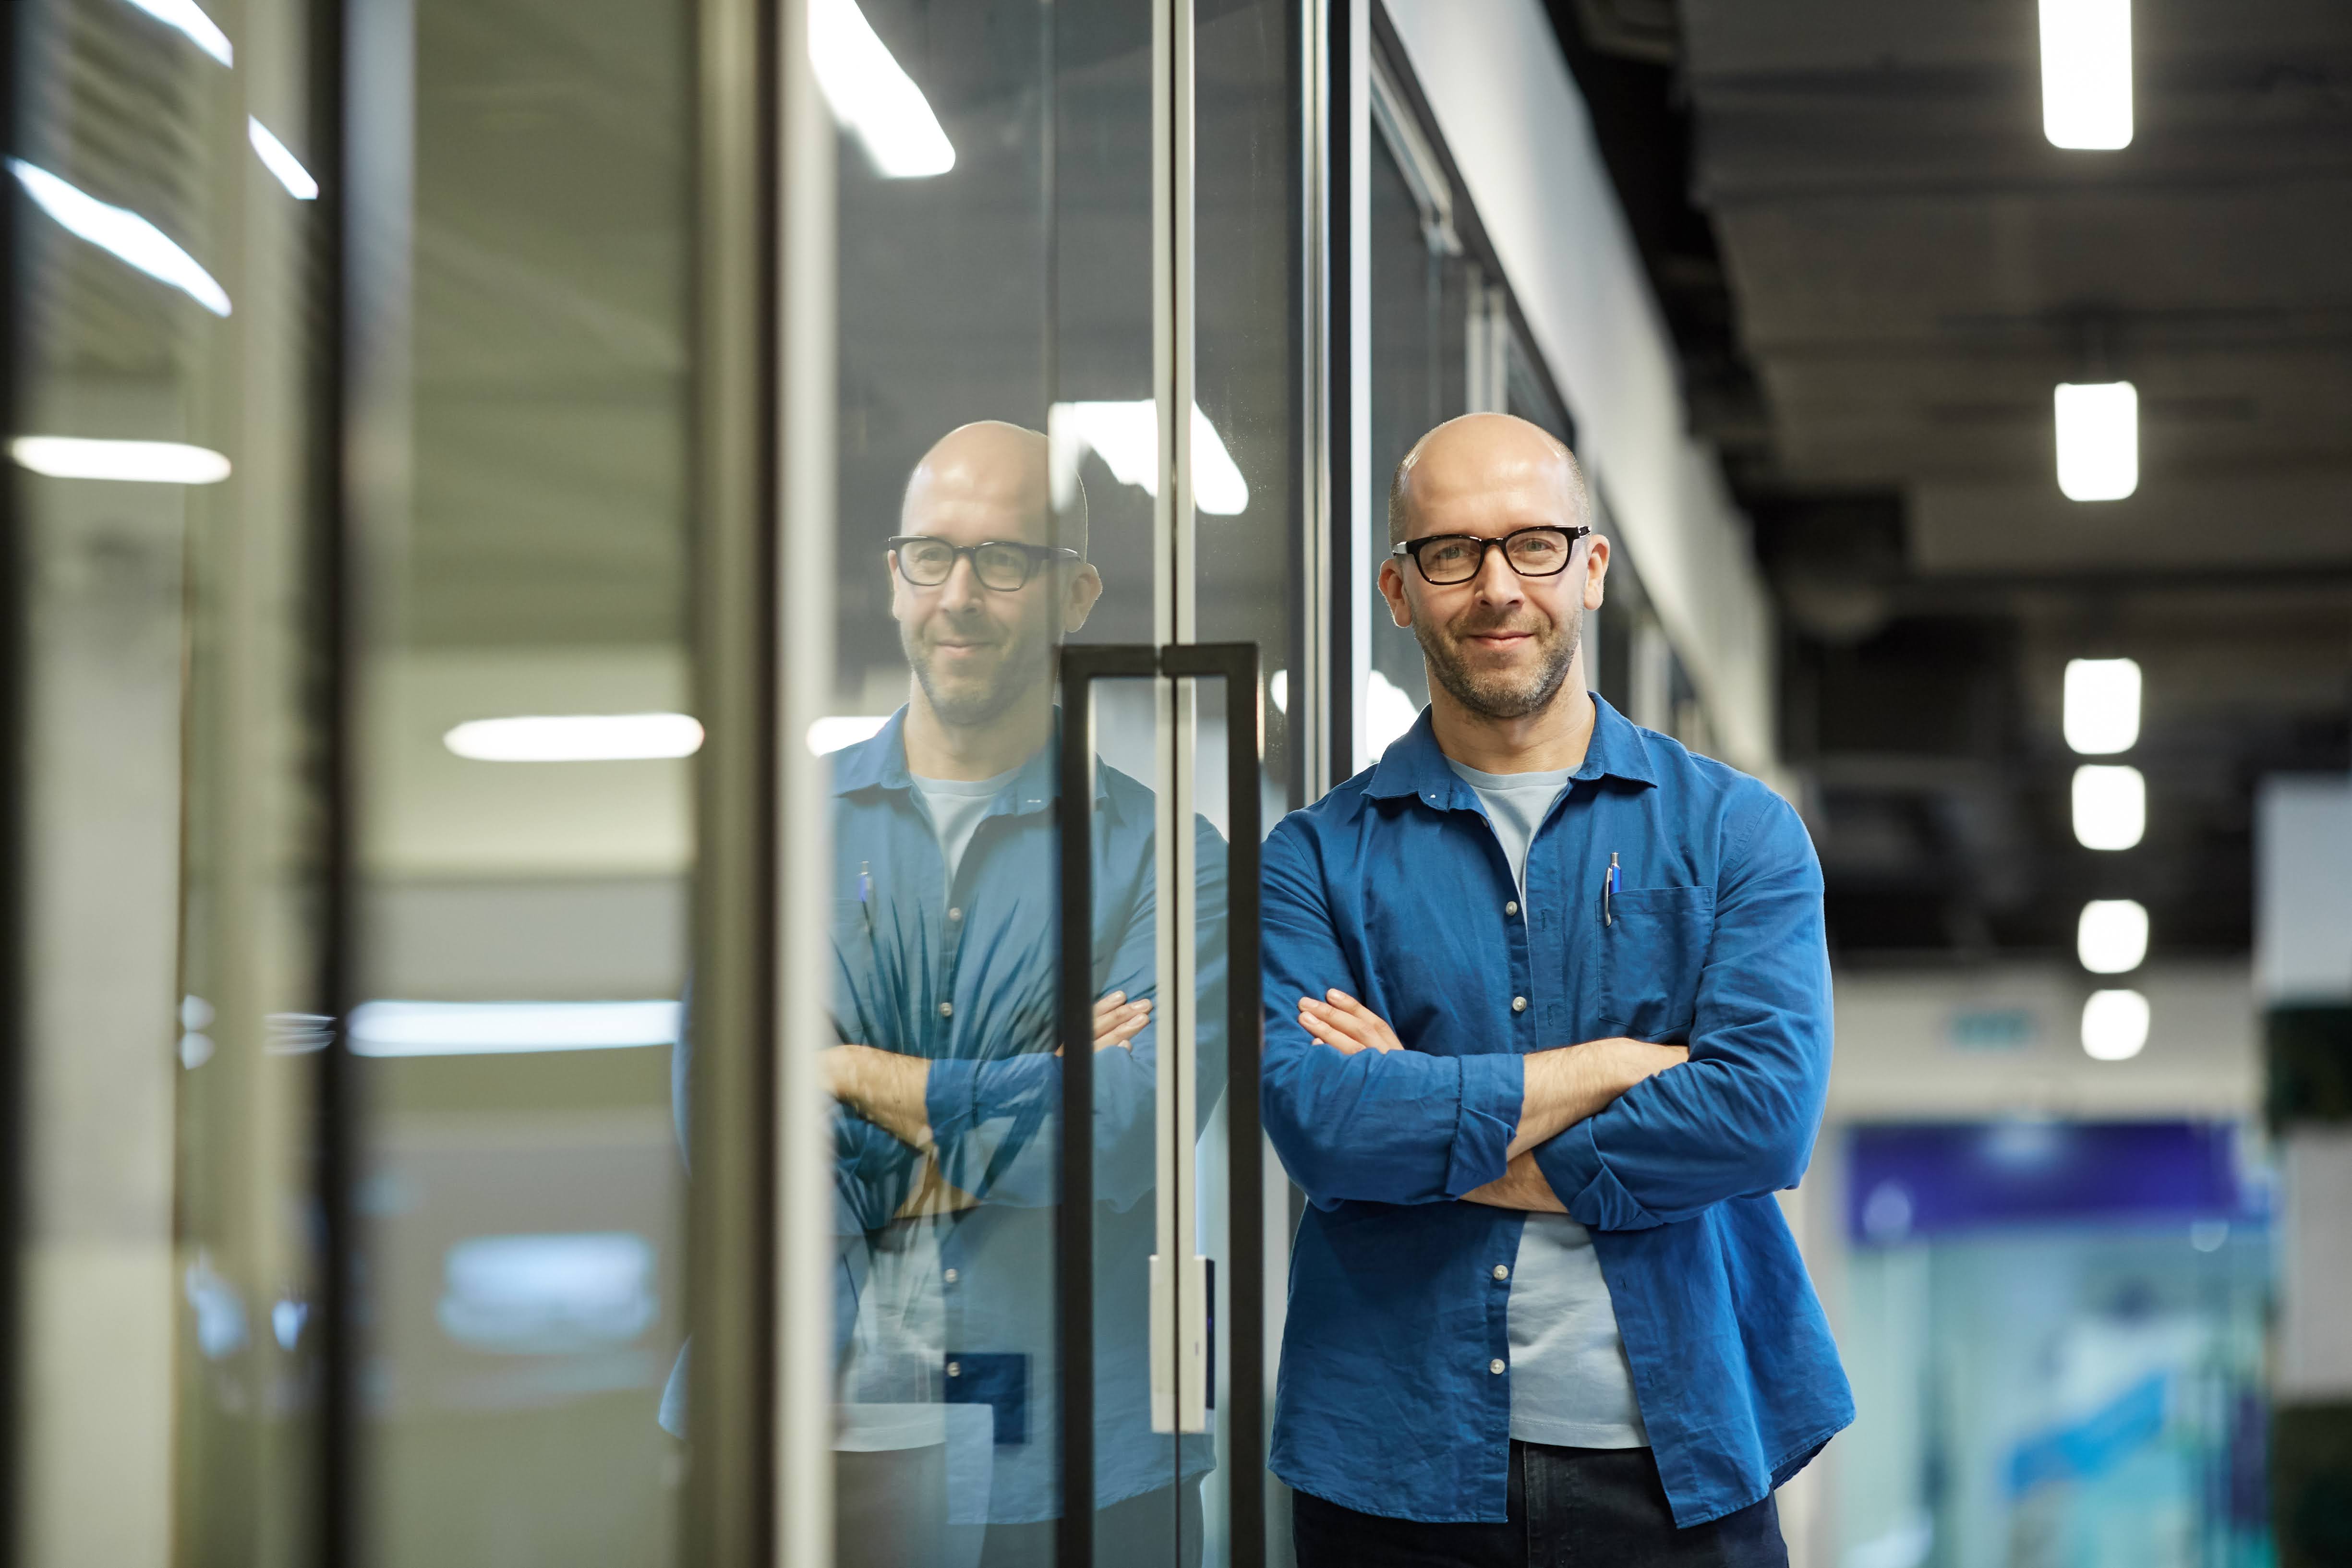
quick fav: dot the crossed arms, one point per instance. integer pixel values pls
(1620, 1134)
(1563, 1086)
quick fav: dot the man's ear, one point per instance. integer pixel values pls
(1393, 590)
(1596, 570)
(1079, 599)
(897, 584)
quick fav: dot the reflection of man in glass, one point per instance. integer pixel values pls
(944, 993)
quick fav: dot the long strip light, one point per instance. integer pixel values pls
(123, 233)
(837, 730)
(280, 161)
(2111, 938)
(2098, 439)
(2110, 806)
(1126, 437)
(494, 1028)
(576, 738)
(2115, 1025)
(2086, 74)
(2101, 714)
(872, 95)
(137, 462)
(188, 17)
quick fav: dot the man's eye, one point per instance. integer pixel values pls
(1449, 554)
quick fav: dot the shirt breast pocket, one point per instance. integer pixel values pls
(1651, 954)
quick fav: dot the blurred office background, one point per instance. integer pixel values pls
(1966, 383)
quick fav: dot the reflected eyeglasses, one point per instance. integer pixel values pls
(1002, 564)
(1445, 559)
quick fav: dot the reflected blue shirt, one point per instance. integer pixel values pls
(1394, 1392)
(961, 970)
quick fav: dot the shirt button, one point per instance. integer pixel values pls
(1512, 908)
(947, 1009)
(1495, 1366)
(1519, 1004)
(950, 1276)
(955, 914)
(955, 1368)
(1502, 1271)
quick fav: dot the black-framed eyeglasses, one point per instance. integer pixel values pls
(1445, 559)
(1002, 564)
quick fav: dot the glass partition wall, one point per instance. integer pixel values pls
(657, 642)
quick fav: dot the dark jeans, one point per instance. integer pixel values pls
(1603, 1507)
(1141, 1532)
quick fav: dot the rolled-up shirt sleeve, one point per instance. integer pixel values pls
(1740, 1117)
(1396, 1127)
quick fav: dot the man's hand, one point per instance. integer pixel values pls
(887, 1089)
(1520, 1186)
(1341, 1021)
(1118, 1021)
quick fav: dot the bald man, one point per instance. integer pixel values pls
(1547, 1025)
(944, 999)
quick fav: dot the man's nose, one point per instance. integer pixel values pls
(1499, 582)
(962, 589)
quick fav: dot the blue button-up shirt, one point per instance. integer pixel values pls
(974, 992)
(1394, 1396)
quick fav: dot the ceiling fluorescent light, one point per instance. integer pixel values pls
(493, 1029)
(871, 95)
(280, 161)
(2110, 806)
(2111, 936)
(2115, 1025)
(839, 729)
(136, 462)
(188, 17)
(2101, 705)
(2098, 439)
(576, 738)
(123, 232)
(1126, 437)
(2086, 74)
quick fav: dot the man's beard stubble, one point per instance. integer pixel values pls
(1494, 695)
(972, 704)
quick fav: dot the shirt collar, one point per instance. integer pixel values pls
(880, 762)
(1413, 765)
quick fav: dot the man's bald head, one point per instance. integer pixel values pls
(992, 468)
(1483, 452)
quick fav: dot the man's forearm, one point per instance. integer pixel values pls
(1569, 1083)
(1520, 1186)
(885, 1088)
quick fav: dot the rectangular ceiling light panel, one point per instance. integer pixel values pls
(2101, 705)
(2110, 806)
(2098, 439)
(2086, 74)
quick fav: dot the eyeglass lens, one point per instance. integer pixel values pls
(1534, 553)
(928, 563)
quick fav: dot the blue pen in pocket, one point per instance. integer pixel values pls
(1609, 892)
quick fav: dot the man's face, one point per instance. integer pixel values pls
(1501, 644)
(977, 651)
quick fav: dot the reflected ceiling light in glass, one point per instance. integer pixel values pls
(2110, 806)
(496, 1028)
(280, 161)
(2111, 936)
(2101, 705)
(871, 95)
(1278, 691)
(576, 738)
(1126, 437)
(186, 16)
(121, 232)
(837, 730)
(2086, 74)
(1388, 711)
(2115, 1025)
(2098, 439)
(132, 462)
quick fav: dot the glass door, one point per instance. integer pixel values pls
(1051, 417)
